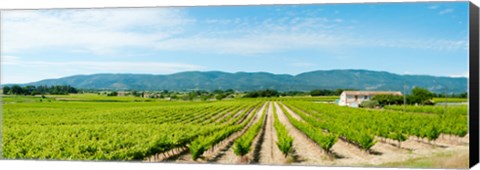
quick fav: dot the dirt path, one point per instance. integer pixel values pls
(348, 154)
(290, 111)
(167, 154)
(253, 157)
(306, 151)
(412, 144)
(387, 148)
(226, 154)
(270, 154)
(449, 140)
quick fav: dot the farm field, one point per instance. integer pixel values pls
(298, 131)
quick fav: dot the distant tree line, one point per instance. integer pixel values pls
(113, 93)
(325, 92)
(453, 95)
(275, 93)
(262, 93)
(174, 95)
(419, 96)
(203, 95)
(34, 90)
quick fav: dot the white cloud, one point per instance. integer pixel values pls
(464, 74)
(9, 59)
(262, 43)
(152, 67)
(433, 7)
(105, 31)
(338, 20)
(28, 71)
(95, 30)
(274, 35)
(445, 11)
(251, 44)
(432, 44)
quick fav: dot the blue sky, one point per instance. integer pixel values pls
(403, 38)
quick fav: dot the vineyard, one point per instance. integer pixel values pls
(257, 131)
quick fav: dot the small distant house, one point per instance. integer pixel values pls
(150, 95)
(121, 93)
(354, 98)
(146, 95)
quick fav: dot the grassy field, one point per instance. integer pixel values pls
(449, 160)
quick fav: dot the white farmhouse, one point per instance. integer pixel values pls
(354, 98)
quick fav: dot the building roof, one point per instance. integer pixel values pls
(366, 93)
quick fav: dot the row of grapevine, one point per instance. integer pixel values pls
(360, 126)
(211, 114)
(201, 115)
(440, 109)
(324, 140)
(243, 144)
(285, 141)
(205, 142)
(358, 136)
(453, 122)
(225, 116)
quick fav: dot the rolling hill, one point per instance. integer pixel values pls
(245, 81)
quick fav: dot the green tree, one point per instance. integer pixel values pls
(387, 99)
(325, 92)
(114, 93)
(192, 95)
(421, 95)
(218, 91)
(6, 90)
(16, 89)
(204, 97)
(220, 96)
(229, 91)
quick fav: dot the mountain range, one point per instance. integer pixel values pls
(247, 81)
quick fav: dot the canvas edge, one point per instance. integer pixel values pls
(474, 84)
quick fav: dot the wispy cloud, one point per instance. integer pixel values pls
(433, 7)
(293, 33)
(99, 66)
(464, 74)
(9, 59)
(98, 31)
(278, 42)
(445, 11)
(18, 70)
(108, 31)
